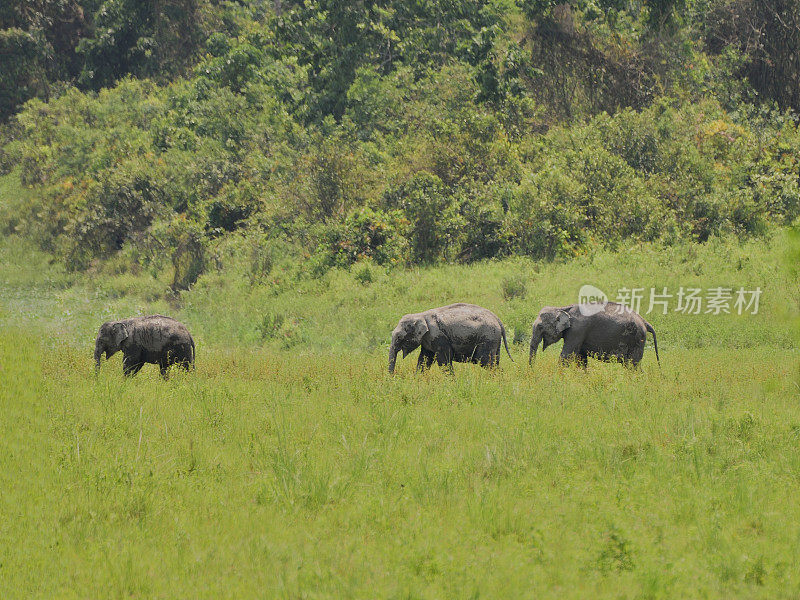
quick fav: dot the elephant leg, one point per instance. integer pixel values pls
(486, 355)
(425, 359)
(632, 361)
(567, 358)
(577, 357)
(637, 354)
(572, 350)
(131, 365)
(444, 356)
(183, 357)
(188, 364)
(165, 362)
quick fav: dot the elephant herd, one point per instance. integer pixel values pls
(470, 333)
(454, 333)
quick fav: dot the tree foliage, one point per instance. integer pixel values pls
(392, 132)
(767, 34)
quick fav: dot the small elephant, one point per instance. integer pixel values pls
(607, 331)
(458, 332)
(154, 339)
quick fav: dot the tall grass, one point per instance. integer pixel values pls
(293, 310)
(296, 467)
(285, 475)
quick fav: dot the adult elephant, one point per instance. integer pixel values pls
(154, 339)
(607, 331)
(458, 332)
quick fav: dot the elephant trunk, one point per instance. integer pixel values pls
(98, 352)
(536, 339)
(392, 356)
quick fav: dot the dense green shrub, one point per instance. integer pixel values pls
(109, 213)
(334, 40)
(514, 287)
(368, 234)
(432, 214)
(184, 244)
(391, 134)
(483, 233)
(375, 102)
(108, 166)
(230, 208)
(141, 38)
(332, 180)
(21, 52)
(545, 216)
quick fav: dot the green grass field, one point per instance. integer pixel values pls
(290, 465)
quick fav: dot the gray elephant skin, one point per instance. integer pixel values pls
(606, 331)
(454, 333)
(154, 339)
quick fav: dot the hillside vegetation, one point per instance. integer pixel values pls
(334, 133)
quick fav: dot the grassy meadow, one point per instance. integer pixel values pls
(291, 465)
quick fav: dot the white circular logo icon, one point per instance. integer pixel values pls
(591, 300)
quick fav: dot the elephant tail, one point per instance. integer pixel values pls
(655, 343)
(505, 343)
(193, 352)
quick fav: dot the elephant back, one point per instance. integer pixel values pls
(467, 319)
(155, 332)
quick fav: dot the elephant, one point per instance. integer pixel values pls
(154, 339)
(607, 331)
(458, 332)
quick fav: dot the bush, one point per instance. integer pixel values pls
(228, 210)
(546, 220)
(427, 163)
(368, 234)
(364, 275)
(21, 53)
(261, 261)
(141, 38)
(270, 325)
(745, 215)
(375, 103)
(514, 287)
(330, 178)
(107, 214)
(484, 233)
(434, 220)
(633, 136)
(185, 244)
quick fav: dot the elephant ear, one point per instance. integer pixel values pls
(119, 333)
(417, 330)
(562, 322)
(554, 322)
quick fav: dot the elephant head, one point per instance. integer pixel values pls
(549, 326)
(407, 336)
(109, 340)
